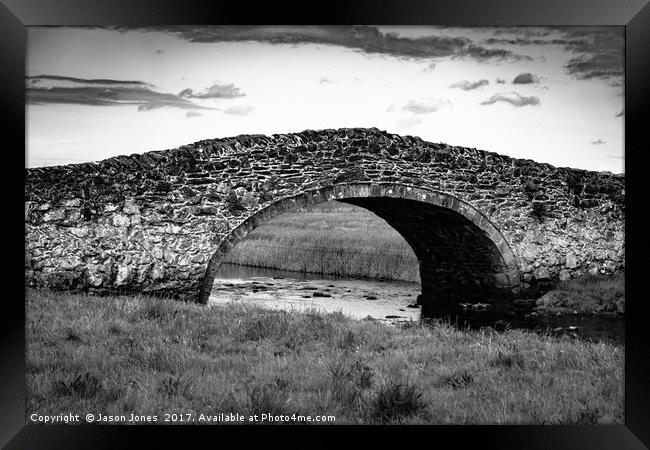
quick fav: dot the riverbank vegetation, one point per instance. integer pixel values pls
(122, 355)
(588, 294)
(329, 238)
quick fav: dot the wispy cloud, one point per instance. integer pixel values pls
(425, 106)
(598, 142)
(620, 113)
(239, 110)
(470, 85)
(45, 89)
(324, 80)
(364, 38)
(599, 50)
(513, 98)
(215, 91)
(190, 114)
(430, 68)
(484, 54)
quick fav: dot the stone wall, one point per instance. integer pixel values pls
(154, 222)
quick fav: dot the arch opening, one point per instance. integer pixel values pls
(463, 258)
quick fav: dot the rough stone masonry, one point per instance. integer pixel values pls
(485, 227)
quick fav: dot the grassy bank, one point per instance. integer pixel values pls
(588, 294)
(145, 356)
(332, 238)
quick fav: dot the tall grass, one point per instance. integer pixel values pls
(331, 238)
(120, 355)
(587, 294)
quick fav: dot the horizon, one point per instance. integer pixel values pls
(311, 130)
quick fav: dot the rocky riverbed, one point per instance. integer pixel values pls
(359, 299)
(392, 302)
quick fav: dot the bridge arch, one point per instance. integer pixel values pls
(463, 256)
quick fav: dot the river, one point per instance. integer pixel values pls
(387, 301)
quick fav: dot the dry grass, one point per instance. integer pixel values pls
(119, 355)
(331, 238)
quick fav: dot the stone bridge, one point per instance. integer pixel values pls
(484, 227)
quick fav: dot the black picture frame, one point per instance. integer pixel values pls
(15, 15)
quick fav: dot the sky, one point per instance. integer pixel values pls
(554, 95)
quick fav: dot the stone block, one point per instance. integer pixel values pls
(571, 261)
(120, 220)
(54, 215)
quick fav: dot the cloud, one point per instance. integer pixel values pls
(425, 106)
(190, 114)
(526, 41)
(597, 66)
(620, 113)
(513, 98)
(44, 89)
(52, 81)
(240, 110)
(148, 107)
(525, 78)
(430, 68)
(325, 81)
(483, 54)
(598, 51)
(364, 38)
(470, 85)
(500, 81)
(598, 142)
(526, 32)
(215, 91)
